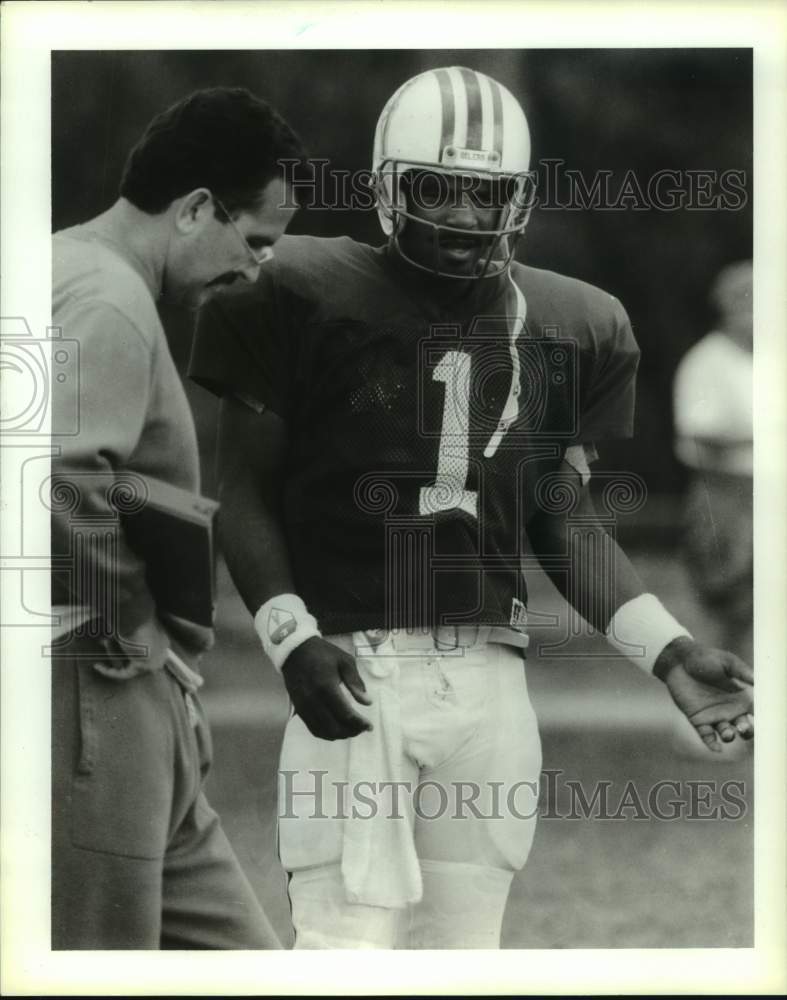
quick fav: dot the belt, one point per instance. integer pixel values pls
(448, 638)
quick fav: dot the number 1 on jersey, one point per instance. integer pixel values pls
(453, 458)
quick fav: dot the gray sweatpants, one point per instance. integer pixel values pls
(139, 858)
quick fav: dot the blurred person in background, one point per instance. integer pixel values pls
(713, 426)
(393, 421)
(139, 858)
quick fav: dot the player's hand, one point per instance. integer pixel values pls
(713, 689)
(319, 678)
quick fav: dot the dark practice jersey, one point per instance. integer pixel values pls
(404, 497)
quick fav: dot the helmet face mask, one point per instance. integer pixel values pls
(402, 189)
(446, 137)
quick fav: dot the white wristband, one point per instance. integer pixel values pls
(283, 623)
(641, 628)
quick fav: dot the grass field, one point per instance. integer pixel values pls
(635, 881)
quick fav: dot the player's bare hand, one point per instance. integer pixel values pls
(318, 677)
(713, 689)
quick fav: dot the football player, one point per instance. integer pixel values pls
(395, 421)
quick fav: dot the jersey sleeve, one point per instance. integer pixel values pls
(246, 346)
(607, 402)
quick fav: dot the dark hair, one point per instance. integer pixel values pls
(224, 139)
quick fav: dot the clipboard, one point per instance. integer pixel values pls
(174, 532)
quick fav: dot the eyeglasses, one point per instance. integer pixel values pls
(264, 255)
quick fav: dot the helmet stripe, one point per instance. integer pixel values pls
(449, 117)
(460, 107)
(487, 117)
(383, 126)
(474, 115)
(497, 114)
(385, 119)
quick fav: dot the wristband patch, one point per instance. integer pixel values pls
(281, 623)
(518, 618)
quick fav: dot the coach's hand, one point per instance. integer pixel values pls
(318, 676)
(713, 689)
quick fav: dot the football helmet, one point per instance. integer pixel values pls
(461, 123)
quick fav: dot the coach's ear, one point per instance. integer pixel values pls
(193, 210)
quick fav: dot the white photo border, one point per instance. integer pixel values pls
(29, 34)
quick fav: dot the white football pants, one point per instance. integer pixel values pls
(469, 755)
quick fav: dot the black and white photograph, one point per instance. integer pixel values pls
(388, 465)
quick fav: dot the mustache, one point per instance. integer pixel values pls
(461, 241)
(223, 279)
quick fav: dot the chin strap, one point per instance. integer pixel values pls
(511, 409)
(493, 265)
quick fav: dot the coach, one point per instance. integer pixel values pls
(139, 857)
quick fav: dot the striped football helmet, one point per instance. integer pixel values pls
(461, 123)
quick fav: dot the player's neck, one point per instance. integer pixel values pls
(438, 290)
